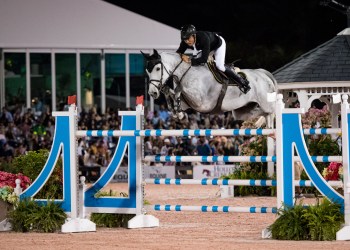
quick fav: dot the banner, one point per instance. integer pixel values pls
(212, 171)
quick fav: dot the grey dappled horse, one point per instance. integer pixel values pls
(200, 91)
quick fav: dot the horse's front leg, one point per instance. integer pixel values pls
(174, 102)
(170, 102)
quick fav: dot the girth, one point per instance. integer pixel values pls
(224, 81)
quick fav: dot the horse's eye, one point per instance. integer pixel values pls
(158, 68)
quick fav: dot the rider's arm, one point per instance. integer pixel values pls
(182, 48)
(204, 41)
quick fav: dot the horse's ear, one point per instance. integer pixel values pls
(155, 53)
(145, 55)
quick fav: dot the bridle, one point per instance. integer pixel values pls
(160, 86)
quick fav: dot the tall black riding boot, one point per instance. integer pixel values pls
(242, 83)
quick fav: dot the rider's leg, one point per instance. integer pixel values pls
(244, 84)
(219, 55)
(220, 64)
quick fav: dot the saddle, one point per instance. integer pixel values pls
(220, 76)
(225, 81)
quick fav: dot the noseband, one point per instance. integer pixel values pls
(160, 84)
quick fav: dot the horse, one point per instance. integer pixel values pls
(197, 88)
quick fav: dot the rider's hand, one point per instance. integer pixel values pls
(186, 58)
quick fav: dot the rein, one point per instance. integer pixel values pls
(161, 86)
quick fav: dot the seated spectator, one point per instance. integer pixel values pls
(163, 113)
(8, 152)
(203, 148)
(6, 116)
(165, 149)
(148, 146)
(90, 159)
(81, 151)
(102, 154)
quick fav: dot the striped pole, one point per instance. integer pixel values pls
(198, 132)
(181, 132)
(322, 131)
(225, 209)
(227, 182)
(178, 158)
(168, 158)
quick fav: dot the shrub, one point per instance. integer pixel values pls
(48, 218)
(110, 220)
(31, 165)
(30, 216)
(290, 225)
(316, 222)
(247, 173)
(324, 220)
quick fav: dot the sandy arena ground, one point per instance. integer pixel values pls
(178, 230)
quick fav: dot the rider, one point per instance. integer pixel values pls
(206, 42)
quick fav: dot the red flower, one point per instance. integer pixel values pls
(332, 171)
(9, 179)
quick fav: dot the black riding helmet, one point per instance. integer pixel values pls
(187, 31)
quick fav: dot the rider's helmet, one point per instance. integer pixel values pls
(187, 31)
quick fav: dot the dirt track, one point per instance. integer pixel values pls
(178, 230)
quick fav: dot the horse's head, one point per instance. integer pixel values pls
(157, 73)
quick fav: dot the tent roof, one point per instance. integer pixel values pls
(330, 62)
(80, 24)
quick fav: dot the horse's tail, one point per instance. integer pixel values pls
(273, 79)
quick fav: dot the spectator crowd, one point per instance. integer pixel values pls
(25, 130)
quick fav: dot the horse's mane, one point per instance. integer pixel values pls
(169, 53)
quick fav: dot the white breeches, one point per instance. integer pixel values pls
(220, 55)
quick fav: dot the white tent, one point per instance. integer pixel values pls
(79, 24)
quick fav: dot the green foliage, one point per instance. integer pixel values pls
(317, 222)
(324, 220)
(110, 220)
(31, 165)
(30, 216)
(255, 146)
(290, 225)
(20, 217)
(322, 145)
(48, 218)
(243, 173)
(6, 166)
